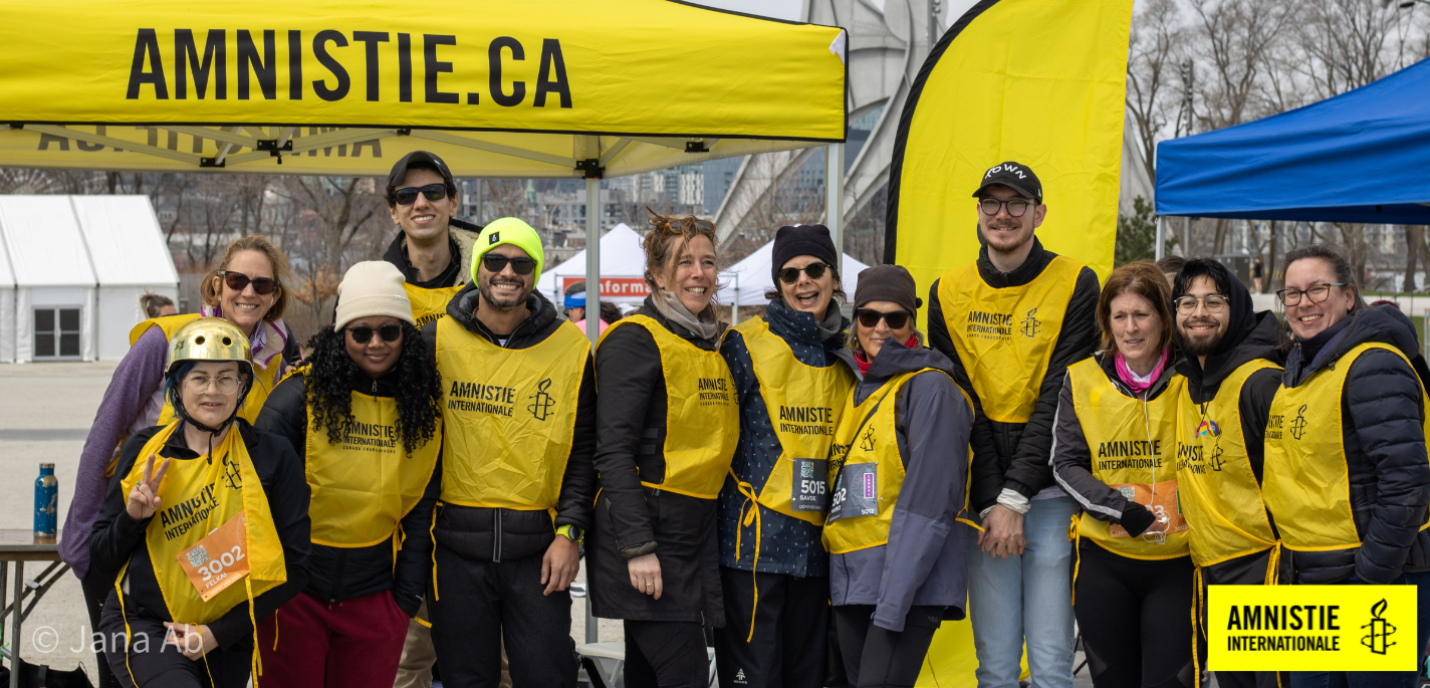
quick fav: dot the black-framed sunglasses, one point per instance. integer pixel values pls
(497, 262)
(363, 334)
(433, 192)
(814, 270)
(1017, 207)
(870, 318)
(238, 281)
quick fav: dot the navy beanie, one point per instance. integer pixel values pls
(804, 240)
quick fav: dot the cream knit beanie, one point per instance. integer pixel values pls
(372, 287)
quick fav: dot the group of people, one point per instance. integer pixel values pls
(420, 485)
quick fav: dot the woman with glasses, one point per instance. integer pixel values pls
(363, 414)
(204, 529)
(1346, 478)
(790, 384)
(898, 470)
(668, 421)
(1114, 451)
(245, 289)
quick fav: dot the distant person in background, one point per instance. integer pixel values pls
(1256, 271)
(157, 305)
(1385, 302)
(575, 305)
(610, 312)
(1170, 266)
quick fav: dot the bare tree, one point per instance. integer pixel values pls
(1157, 31)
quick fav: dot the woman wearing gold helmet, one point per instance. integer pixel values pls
(205, 527)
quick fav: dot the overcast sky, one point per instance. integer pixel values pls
(790, 9)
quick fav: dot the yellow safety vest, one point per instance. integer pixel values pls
(1222, 498)
(866, 469)
(804, 404)
(1131, 444)
(1005, 336)
(365, 484)
(199, 496)
(264, 378)
(429, 304)
(1306, 477)
(509, 416)
(702, 414)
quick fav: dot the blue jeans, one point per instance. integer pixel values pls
(1367, 679)
(1026, 598)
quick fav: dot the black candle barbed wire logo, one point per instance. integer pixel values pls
(542, 403)
(1031, 323)
(231, 475)
(1216, 461)
(867, 442)
(1298, 424)
(1377, 639)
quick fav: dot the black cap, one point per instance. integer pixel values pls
(887, 283)
(1016, 176)
(804, 240)
(399, 171)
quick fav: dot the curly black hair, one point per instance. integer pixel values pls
(419, 386)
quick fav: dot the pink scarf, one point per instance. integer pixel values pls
(1125, 373)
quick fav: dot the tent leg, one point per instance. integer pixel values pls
(735, 304)
(833, 189)
(593, 259)
(1161, 237)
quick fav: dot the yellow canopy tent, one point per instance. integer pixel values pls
(541, 88)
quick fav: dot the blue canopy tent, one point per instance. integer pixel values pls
(1362, 156)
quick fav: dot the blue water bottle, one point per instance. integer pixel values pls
(47, 502)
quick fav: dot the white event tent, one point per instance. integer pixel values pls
(622, 264)
(747, 281)
(71, 274)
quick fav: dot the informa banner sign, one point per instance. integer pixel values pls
(1311, 628)
(626, 288)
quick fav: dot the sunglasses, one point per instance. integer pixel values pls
(702, 226)
(870, 318)
(238, 281)
(496, 262)
(363, 335)
(433, 192)
(814, 270)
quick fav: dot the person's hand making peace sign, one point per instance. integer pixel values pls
(144, 496)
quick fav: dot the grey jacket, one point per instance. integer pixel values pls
(924, 562)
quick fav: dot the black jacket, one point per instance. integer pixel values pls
(1384, 440)
(632, 519)
(1015, 455)
(344, 573)
(460, 237)
(117, 538)
(485, 534)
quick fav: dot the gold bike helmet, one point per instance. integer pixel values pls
(207, 339)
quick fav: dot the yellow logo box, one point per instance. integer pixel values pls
(1311, 628)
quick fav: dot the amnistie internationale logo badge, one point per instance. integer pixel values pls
(1311, 628)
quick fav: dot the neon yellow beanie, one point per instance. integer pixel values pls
(508, 230)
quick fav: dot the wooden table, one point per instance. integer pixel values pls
(20, 546)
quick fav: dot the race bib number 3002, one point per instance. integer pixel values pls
(807, 489)
(219, 560)
(1311, 628)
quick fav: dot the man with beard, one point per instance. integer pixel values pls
(1233, 372)
(519, 417)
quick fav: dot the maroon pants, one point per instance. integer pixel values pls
(350, 644)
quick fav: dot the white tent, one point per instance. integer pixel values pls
(7, 306)
(747, 281)
(622, 264)
(80, 264)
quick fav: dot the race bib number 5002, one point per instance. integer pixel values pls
(218, 560)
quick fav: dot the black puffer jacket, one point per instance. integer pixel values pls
(1384, 441)
(344, 573)
(631, 519)
(1015, 455)
(485, 534)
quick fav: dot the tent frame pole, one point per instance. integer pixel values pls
(1161, 237)
(593, 258)
(833, 192)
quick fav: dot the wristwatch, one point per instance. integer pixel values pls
(573, 533)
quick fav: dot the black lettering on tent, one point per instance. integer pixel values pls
(374, 144)
(146, 43)
(404, 67)
(432, 67)
(92, 147)
(215, 63)
(518, 88)
(551, 55)
(320, 49)
(265, 67)
(327, 152)
(371, 39)
(295, 65)
(47, 139)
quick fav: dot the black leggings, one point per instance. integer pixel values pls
(152, 664)
(1135, 618)
(666, 654)
(879, 658)
(96, 589)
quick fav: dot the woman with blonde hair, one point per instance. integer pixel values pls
(247, 290)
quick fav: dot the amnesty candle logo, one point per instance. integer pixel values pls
(1031, 324)
(1298, 425)
(541, 402)
(1311, 628)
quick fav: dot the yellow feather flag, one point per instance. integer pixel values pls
(1042, 82)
